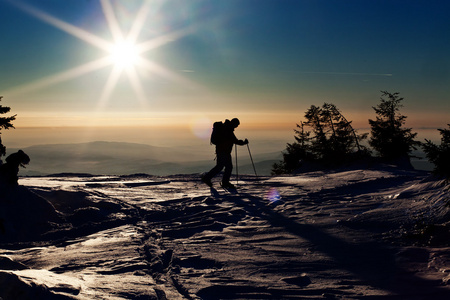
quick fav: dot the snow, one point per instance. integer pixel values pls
(91, 267)
(346, 234)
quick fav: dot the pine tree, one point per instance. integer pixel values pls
(388, 136)
(5, 123)
(320, 145)
(330, 141)
(295, 153)
(334, 138)
(439, 155)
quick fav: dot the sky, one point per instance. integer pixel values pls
(150, 71)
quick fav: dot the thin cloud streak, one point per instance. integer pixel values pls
(348, 74)
(168, 74)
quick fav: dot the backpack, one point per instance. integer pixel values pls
(217, 132)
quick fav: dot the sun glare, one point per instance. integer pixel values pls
(124, 54)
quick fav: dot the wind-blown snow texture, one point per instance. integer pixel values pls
(349, 234)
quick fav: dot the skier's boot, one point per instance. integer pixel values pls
(206, 181)
(228, 185)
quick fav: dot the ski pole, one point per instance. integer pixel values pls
(237, 169)
(251, 158)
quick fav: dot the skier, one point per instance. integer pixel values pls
(224, 139)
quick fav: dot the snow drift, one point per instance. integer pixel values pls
(350, 234)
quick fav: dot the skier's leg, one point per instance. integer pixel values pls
(214, 171)
(228, 169)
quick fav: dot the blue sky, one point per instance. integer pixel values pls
(265, 61)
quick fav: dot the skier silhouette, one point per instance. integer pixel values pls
(224, 139)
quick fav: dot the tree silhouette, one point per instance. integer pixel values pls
(330, 141)
(295, 153)
(388, 137)
(439, 155)
(335, 136)
(5, 123)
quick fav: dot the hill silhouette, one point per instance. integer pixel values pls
(120, 158)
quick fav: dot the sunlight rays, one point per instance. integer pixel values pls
(123, 53)
(110, 84)
(139, 21)
(111, 20)
(68, 28)
(60, 77)
(168, 74)
(162, 40)
(137, 86)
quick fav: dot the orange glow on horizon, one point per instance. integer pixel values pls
(249, 121)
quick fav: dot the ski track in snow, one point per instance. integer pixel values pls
(311, 236)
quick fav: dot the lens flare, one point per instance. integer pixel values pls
(201, 127)
(273, 195)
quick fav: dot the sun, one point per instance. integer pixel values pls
(124, 54)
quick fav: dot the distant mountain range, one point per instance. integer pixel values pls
(119, 158)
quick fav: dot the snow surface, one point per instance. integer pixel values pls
(349, 234)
